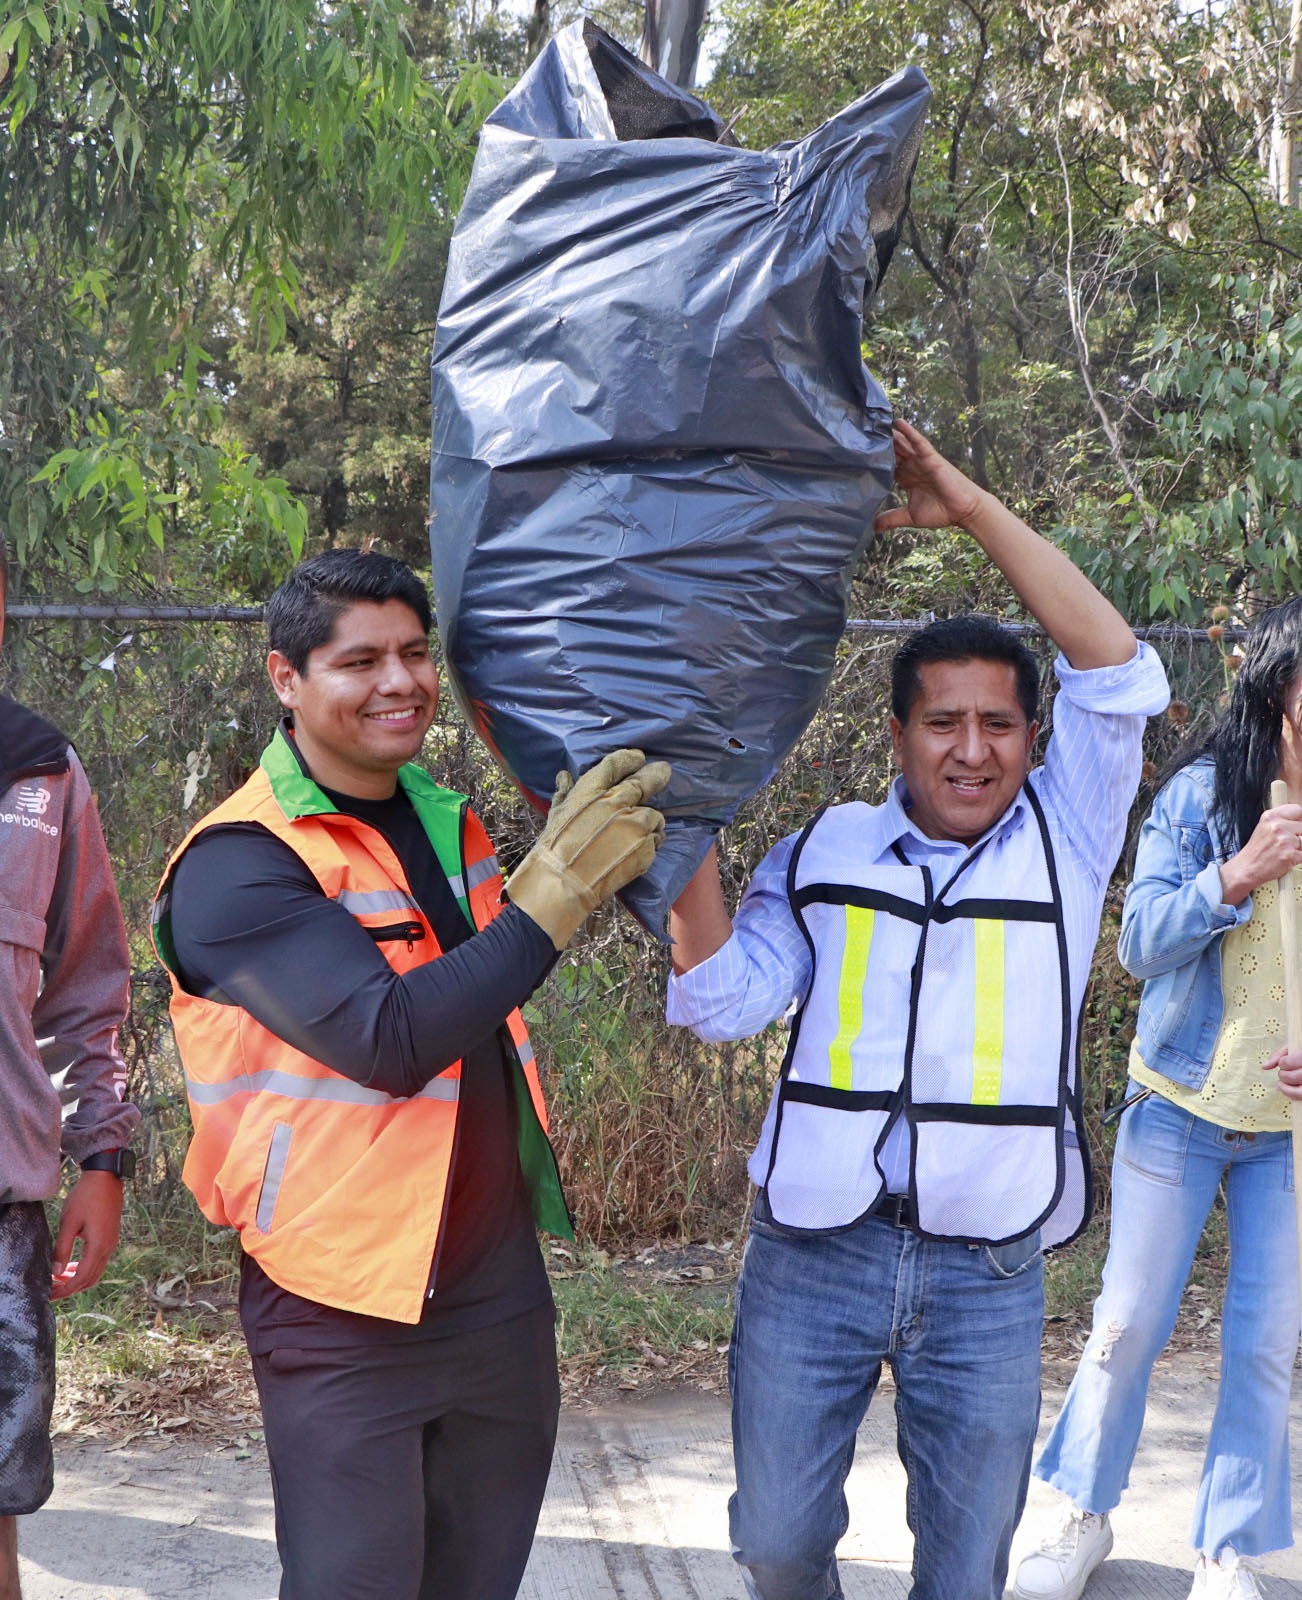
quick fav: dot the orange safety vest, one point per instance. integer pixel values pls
(338, 1190)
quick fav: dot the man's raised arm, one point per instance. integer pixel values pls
(699, 923)
(1087, 628)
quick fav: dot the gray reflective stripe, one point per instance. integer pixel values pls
(377, 900)
(275, 1171)
(481, 872)
(162, 907)
(438, 1089)
(337, 1091)
(526, 1054)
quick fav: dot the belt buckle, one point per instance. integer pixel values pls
(899, 1211)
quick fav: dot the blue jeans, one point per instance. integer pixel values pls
(1165, 1175)
(817, 1315)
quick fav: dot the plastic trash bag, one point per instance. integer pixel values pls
(656, 451)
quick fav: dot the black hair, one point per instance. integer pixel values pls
(966, 638)
(301, 614)
(1245, 738)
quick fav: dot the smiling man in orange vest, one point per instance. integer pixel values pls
(367, 1113)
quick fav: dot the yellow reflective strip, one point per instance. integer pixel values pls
(988, 1032)
(849, 1000)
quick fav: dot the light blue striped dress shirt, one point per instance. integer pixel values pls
(1086, 786)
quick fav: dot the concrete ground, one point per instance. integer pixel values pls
(635, 1511)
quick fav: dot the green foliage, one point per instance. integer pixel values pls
(1082, 189)
(340, 407)
(167, 721)
(254, 121)
(104, 485)
(1221, 515)
(164, 170)
(602, 1318)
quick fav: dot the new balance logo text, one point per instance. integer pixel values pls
(33, 799)
(30, 802)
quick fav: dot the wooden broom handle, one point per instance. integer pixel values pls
(1288, 938)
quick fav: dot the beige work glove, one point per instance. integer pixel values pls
(599, 835)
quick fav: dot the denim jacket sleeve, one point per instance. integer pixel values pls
(1173, 909)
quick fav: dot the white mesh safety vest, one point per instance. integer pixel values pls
(977, 962)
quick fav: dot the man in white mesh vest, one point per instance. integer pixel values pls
(924, 1141)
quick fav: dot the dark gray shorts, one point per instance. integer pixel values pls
(26, 1359)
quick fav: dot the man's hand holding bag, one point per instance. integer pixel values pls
(600, 834)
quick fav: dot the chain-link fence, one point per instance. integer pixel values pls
(652, 1127)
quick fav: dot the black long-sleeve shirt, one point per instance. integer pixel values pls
(253, 927)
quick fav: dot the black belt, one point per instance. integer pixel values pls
(899, 1210)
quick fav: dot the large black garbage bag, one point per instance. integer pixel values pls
(656, 450)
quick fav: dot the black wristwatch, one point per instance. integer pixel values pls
(121, 1163)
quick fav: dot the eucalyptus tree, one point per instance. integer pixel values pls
(1092, 190)
(164, 167)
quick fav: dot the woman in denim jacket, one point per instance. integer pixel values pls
(1201, 928)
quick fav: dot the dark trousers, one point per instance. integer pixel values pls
(411, 1472)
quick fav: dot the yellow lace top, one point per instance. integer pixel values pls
(1237, 1093)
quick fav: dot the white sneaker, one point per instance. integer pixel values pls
(1060, 1568)
(1232, 1577)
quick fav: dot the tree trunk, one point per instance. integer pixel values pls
(969, 350)
(1287, 150)
(539, 28)
(671, 38)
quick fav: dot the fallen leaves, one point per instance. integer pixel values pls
(205, 1389)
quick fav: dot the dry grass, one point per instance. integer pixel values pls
(141, 1357)
(147, 1365)
(155, 1383)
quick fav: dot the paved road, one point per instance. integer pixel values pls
(635, 1511)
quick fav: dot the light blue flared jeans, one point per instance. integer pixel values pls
(1165, 1175)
